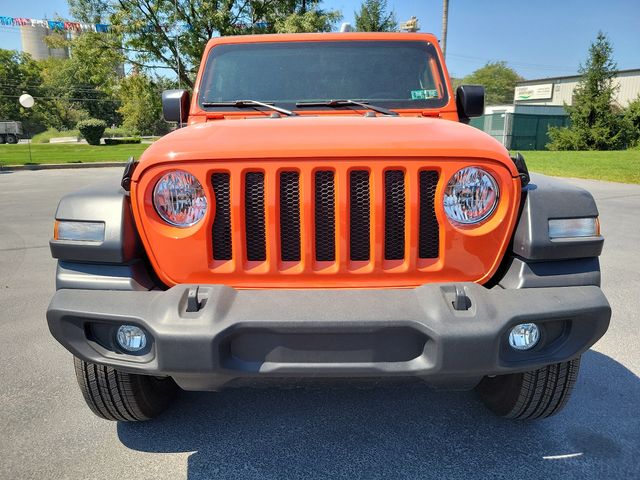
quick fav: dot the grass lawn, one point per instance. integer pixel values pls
(618, 166)
(71, 153)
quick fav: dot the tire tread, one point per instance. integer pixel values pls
(536, 394)
(115, 395)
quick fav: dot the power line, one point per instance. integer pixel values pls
(18, 86)
(101, 100)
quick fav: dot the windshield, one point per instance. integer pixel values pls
(396, 74)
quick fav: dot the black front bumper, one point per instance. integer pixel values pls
(237, 334)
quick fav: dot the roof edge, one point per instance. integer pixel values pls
(563, 77)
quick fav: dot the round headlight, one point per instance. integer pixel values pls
(179, 199)
(471, 196)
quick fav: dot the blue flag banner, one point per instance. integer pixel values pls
(54, 24)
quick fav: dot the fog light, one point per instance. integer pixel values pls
(524, 336)
(131, 338)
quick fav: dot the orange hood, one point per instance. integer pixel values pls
(326, 136)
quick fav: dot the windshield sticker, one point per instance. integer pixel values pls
(423, 94)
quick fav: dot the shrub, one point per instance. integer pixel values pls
(92, 130)
(632, 122)
(121, 141)
(564, 138)
(118, 132)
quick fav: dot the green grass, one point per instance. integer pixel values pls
(46, 136)
(70, 153)
(617, 166)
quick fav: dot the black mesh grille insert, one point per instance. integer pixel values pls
(254, 216)
(290, 216)
(359, 215)
(325, 216)
(222, 221)
(429, 230)
(394, 214)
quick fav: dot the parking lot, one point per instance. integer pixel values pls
(391, 431)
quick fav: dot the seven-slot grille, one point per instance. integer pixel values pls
(360, 210)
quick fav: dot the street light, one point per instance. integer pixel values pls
(27, 101)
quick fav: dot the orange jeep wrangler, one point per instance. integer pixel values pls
(326, 212)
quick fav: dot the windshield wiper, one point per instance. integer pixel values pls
(342, 103)
(250, 103)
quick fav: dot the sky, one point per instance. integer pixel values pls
(538, 38)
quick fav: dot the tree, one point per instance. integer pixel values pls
(374, 17)
(19, 74)
(632, 121)
(84, 85)
(172, 33)
(309, 21)
(596, 123)
(90, 11)
(499, 82)
(141, 104)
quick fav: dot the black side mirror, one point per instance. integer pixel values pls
(470, 101)
(175, 106)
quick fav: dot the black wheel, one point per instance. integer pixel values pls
(536, 394)
(2, 139)
(126, 397)
(12, 139)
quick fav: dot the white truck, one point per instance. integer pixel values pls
(10, 132)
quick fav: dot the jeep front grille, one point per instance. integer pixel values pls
(325, 216)
(353, 210)
(290, 216)
(222, 221)
(254, 228)
(326, 223)
(359, 215)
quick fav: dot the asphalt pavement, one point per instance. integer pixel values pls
(392, 431)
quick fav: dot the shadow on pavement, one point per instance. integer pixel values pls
(393, 432)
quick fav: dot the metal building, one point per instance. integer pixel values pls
(556, 91)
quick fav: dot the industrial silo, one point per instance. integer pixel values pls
(34, 43)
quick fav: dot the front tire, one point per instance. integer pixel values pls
(125, 397)
(530, 395)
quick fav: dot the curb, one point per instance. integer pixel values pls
(63, 166)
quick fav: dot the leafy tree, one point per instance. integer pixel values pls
(141, 104)
(309, 21)
(84, 85)
(499, 82)
(596, 123)
(90, 11)
(20, 74)
(374, 17)
(632, 121)
(172, 33)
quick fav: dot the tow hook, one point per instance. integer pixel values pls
(461, 300)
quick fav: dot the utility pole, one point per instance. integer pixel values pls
(445, 20)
